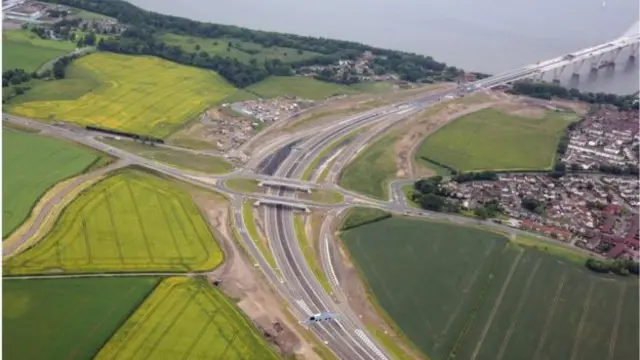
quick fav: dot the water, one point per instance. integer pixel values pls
(482, 35)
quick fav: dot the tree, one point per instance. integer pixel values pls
(197, 47)
(560, 167)
(481, 212)
(90, 39)
(575, 167)
(533, 205)
(431, 202)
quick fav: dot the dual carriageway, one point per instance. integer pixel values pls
(280, 170)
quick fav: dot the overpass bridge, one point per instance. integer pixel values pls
(285, 184)
(283, 203)
(598, 56)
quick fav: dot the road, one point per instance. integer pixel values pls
(347, 338)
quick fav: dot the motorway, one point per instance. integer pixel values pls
(295, 282)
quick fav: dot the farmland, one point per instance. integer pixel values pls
(237, 49)
(358, 175)
(35, 315)
(144, 95)
(25, 50)
(32, 164)
(186, 318)
(131, 221)
(304, 87)
(491, 139)
(485, 308)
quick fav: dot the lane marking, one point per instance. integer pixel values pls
(370, 343)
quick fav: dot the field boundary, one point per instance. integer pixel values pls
(375, 305)
(130, 313)
(93, 166)
(185, 269)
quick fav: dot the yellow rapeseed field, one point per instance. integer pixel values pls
(131, 221)
(186, 318)
(139, 94)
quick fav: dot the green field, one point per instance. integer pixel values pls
(66, 318)
(144, 95)
(23, 49)
(300, 86)
(242, 185)
(490, 139)
(187, 318)
(241, 50)
(178, 158)
(131, 221)
(495, 300)
(372, 170)
(31, 164)
(358, 216)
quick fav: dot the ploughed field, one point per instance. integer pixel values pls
(464, 293)
(32, 164)
(143, 95)
(66, 318)
(186, 318)
(491, 139)
(130, 221)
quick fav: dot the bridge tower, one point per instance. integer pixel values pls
(556, 74)
(633, 48)
(595, 62)
(609, 58)
(575, 75)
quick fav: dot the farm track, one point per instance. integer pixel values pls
(523, 297)
(9, 249)
(543, 337)
(496, 305)
(616, 324)
(583, 320)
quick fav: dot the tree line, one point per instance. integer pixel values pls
(547, 91)
(620, 267)
(409, 67)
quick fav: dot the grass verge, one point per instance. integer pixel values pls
(243, 185)
(178, 158)
(259, 240)
(310, 254)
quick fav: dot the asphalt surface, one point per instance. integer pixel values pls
(347, 337)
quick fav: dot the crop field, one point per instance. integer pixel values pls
(25, 50)
(186, 318)
(143, 95)
(36, 315)
(241, 50)
(32, 164)
(490, 139)
(304, 87)
(372, 170)
(131, 221)
(486, 307)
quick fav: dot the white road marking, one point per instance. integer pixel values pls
(370, 344)
(333, 276)
(304, 307)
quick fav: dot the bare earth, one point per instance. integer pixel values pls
(241, 282)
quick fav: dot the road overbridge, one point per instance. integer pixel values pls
(285, 184)
(288, 204)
